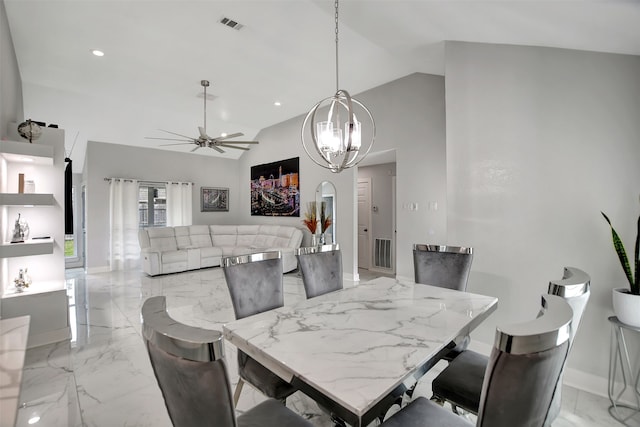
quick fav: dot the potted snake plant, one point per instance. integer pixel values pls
(626, 301)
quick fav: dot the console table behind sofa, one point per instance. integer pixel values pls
(174, 249)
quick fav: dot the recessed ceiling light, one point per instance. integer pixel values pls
(97, 52)
(277, 103)
(34, 420)
(223, 134)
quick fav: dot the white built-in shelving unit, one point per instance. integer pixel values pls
(42, 253)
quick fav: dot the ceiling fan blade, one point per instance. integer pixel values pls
(233, 135)
(197, 146)
(218, 149)
(169, 139)
(177, 134)
(233, 146)
(180, 143)
(239, 142)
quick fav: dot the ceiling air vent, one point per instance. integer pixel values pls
(231, 23)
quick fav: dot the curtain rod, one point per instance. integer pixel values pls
(149, 182)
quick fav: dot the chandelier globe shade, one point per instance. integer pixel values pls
(332, 134)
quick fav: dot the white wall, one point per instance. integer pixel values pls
(409, 115)
(410, 118)
(282, 141)
(11, 108)
(114, 160)
(539, 141)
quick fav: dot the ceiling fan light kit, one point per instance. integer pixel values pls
(203, 140)
(337, 145)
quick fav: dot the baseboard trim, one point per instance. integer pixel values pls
(96, 270)
(584, 381)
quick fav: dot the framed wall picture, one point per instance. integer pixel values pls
(275, 188)
(213, 199)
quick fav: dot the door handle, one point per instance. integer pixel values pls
(365, 230)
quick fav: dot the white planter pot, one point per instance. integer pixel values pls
(627, 307)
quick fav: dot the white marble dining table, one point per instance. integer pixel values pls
(355, 349)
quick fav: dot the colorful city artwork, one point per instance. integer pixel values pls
(275, 188)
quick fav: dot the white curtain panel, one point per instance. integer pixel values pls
(179, 201)
(123, 219)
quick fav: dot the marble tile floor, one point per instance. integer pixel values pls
(102, 377)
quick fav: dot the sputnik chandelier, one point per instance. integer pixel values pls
(336, 142)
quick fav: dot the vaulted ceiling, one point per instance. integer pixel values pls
(158, 51)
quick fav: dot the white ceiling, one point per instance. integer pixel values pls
(157, 51)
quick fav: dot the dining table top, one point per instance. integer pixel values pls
(349, 349)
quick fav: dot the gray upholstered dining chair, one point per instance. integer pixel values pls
(460, 383)
(321, 268)
(255, 286)
(445, 267)
(191, 370)
(523, 371)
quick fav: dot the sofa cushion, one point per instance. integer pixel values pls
(199, 236)
(280, 236)
(227, 250)
(247, 235)
(182, 237)
(265, 240)
(239, 250)
(210, 252)
(174, 256)
(162, 239)
(223, 235)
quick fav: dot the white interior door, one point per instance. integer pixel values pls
(364, 223)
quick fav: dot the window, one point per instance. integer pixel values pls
(70, 247)
(152, 205)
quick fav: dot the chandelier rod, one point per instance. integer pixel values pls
(336, 19)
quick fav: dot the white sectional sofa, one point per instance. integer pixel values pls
(174, 249)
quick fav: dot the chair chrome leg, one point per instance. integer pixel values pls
(236, 394)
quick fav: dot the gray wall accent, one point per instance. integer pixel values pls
(282, 141)
(11, 104)
(410, 118)
(113, 160)
(539, 141)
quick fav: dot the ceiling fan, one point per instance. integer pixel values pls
(204, 140)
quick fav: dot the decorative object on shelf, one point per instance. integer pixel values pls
(29, 130)
(17, 232)
(214, 199)
(626, 302)
(22, 281)
(20, 231)
(311, 220)
(325, 221)
(29, 186)
(20, 183)
(274, 188)
(331, 148)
